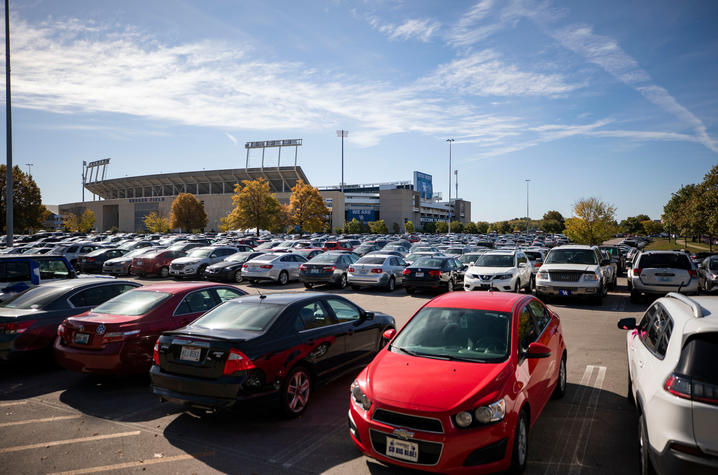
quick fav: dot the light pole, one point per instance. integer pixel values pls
(8, 133)
(29, 170)
(342, 134)
(450, 141)
(527, 205)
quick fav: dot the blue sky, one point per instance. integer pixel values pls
(611, 99)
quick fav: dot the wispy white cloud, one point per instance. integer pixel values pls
(421, 29)
(231, 138)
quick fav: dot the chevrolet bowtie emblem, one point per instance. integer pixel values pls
(403, 434)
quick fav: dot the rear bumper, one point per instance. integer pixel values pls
(671, 461)
(639, 286)
(221, 276)
(319, 279)
(424, 284)
(368, 281)
(126, 357)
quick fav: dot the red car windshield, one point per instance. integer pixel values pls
(457, 334)
(132, 303)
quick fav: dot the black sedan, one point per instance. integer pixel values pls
(435, 273)
(29, 321)
(329, 268)
(92, 263)
(277, 344)
(230, 269)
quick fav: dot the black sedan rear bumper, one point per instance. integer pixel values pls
(424, 283)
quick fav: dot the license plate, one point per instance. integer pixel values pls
(190, 353)
(314, 271)
(401, 449)
(139, 261)
(665, 279)
(565, 293)
(420, 274)
(82, 338)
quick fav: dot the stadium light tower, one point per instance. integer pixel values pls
(342, 134)
(527, 205)
(450, 142)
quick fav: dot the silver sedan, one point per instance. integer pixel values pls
(376, 271)
(277, 267)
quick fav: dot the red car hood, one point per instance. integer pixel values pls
(430, 384)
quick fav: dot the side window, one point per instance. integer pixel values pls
(287, 258)
(15, 272)
(541, 315)
(345, 311)
(225, 294)
(311, 316)
(72, 249)
(93, 296)
(394, 262)
(50, 269)
(199, 301)
(647, 328)
(527, 330)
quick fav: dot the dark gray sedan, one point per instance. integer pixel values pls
(328, 268)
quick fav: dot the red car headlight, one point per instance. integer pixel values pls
(482, 415)
(359, 397)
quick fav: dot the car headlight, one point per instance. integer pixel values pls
(590, 276)
(359, 397)
(542, 276)
(494, 412)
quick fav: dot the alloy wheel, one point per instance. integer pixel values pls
(283, 278)
(297, 392)
(238, 276)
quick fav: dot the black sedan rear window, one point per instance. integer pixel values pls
(248, 316)
(664, 261)
(428, 262)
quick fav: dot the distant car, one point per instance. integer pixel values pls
(610, 270)
(617, 257)
(660, 272)
(92, 263)
(118, 336)
(261, 345)
(442, 273)
(328, 268)
(196, 261)
(308, 253)
(20, 272)
(673, 382)
(573, 271)
(29, 321)
(277, 267)
(155, 263)
(376, 270)
(123, 265)
(504, 270)
(498, 359)
(708, 274)
(337, 246)
(230, 269)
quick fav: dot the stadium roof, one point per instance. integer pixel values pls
(213, 181)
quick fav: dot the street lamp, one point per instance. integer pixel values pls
(29, 171)
(527, 205)
(450, 141)
(342, 134)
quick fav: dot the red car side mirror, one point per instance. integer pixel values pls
(538, 350)
(388, 335)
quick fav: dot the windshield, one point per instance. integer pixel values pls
(35, 297)
(285, 244)
(572, 256)
(469, 258)
(533, 255)
(428, 262)
(713, 264)
(265, 245)
(238, 257)
(200, 252)
(133, 303)
(248, 316)
(664, 261)
(495, 260)
(371, 260)
(457, 333)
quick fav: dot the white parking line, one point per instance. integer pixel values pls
(139, 463)
(16, 403)
(67, 441)
(309, 449)
(35, 421)
(584, 434)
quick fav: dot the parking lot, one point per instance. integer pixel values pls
(55, 421)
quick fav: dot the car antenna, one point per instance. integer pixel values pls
(679, 287)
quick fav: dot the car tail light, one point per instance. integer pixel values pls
(692, 273)
(686, 449)
(538, 264)
(61, 330)
(688, 388)
(406, 272)
(118, 336)
(237, 361)
(636, 272)
(329, 268)
(156, 353)
(15, 328)
(351, 269)
(244, 266)
(266, 266)
(302, 267)
(376, 271)
(678, 386)
(435, 273)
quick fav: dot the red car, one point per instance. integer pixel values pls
(118, 336)
(461, 384)
(337, 246)
(155, 263)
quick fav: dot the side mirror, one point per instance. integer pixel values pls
(465, 266)
(388, 335)
(368, 315)
(537, 350)
(627, 323)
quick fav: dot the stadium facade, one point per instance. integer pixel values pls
(122, 203)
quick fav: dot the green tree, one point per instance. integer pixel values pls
(470, 228)
(409, 226)
(429, 227)
(307, 210)
(71, 222)
(254, 206)
(592, 223)
(188, 213)
(482, 227)
(27, 200)
(552, 222)
(633, 224)
(457, 227)
(156, 223)
(708, 203)
(395, 228)
(677, 212)
(378, 227)
(652, 227)
(503, 227)
(87, 221)
(352, 227)
(442, 227)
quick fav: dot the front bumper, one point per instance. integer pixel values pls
(504, 285)
(222, 275)
(566, 289)
(185, 271)
(470, 451)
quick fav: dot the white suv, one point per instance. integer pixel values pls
(573, 270)
(508, 271)
(672, 377)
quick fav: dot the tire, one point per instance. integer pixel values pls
(450, 285)
(629, 395)
(253, 281)
(645, 467)
(532, 284)
(410, 290)
(200, 271)
(283, 278)
(391, 285)
(164, 272)
(307, 285)
(560, 390)
(238, 277)
(517, 286)
(635, 296)
(342, 282)
(296, 391)
(519, 453)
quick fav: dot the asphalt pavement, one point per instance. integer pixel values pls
(55, 421)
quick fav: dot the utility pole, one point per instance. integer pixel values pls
(450, 141)
(9, 202)
(456, 175)
(84, 172)
(29, 170)
(527, 205)
(342, 134)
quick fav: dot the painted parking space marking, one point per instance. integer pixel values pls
(138, 463)
(16, 403)
(68, 441)
(584, 434)
(37, 421)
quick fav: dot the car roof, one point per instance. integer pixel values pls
(284, 298)
(683, 314)
(480, 300)
(74, 283)
(175, 288)
(574, 246)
